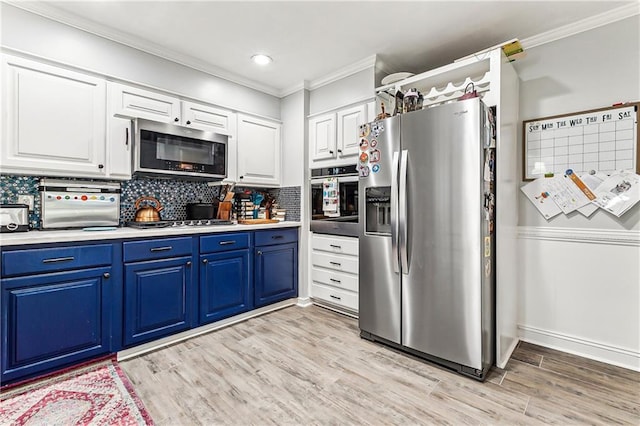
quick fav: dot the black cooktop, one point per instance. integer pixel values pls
(179, 223)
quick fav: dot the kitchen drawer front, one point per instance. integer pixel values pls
(35, 261)
(276, 236)
(225, 242)
(335, 279)
(335, 262)
(345, 298)
(335, 244)
(156, 249)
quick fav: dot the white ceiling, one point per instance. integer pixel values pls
(311, 39)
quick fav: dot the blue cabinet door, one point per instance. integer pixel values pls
(158, 296)
(224, 285)
(54, 319)
(276, 273)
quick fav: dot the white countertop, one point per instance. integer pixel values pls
(62, 236)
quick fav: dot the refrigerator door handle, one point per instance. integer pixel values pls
(402, 212)
(394, 212)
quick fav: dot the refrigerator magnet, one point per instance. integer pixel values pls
(364, 144)
(373, 143)
(374, 155)
(364, 158)
(364, 130)
(364, 171)
(375, 168)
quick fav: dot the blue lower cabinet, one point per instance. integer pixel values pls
(225, 285)
(157, 299)
(53, 320)
(276, 273)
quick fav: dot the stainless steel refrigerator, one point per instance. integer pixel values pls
(427, 234)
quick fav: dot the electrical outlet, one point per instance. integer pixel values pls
(27, 199)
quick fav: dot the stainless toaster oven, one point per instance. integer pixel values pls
(14, 217)
(78, 204)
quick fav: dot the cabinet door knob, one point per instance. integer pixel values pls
(106, 275)
(205, 261)
(101, 166)
(176, 119)
(340, 151)
(188, 122)
(126, 140)
(189, 263)
(330, 152)
(259, 253)
(241, 177)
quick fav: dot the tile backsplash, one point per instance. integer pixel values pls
(172, 194)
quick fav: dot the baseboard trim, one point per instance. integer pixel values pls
(304, 302)
(581, 235)
(176, 338)
(339, 309)
(591, 349)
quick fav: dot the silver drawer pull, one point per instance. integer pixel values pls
(335, 297)
(335, 246)
(336, 263)
(334, 280)
(162, 248)
(226, 243)
(59, 259)
(277, 237)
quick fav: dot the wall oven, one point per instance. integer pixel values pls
(168, 150)
(344, 219)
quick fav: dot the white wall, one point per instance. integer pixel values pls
(580, 286)
(357, 87)
(39, 36)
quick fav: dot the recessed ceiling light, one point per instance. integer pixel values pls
(261, 59)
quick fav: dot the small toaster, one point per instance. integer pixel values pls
(14, 217)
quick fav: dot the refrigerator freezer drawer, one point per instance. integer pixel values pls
(335, 279)
(334, 244)
(335, 262)
(345, 298)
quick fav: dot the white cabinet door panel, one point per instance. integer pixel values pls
(349, 120)
(206, 118)
(55, 120)
(139, 103)
(119, 148)
(322, 137)
(258, 151)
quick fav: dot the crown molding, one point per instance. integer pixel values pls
(586, 24)
(361, 65)
(304, 85)
(47, 11)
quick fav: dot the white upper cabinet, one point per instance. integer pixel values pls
(140, 103)
(207, 118)
(119, 142)
(349, 120)
(322, 137)
(54, 120)
(258, 151)
(333, 137)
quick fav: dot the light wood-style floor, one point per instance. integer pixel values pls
(309, 366)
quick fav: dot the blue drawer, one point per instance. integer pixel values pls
(225, 242)
(276, 236)
(156, 249)
(21, 262)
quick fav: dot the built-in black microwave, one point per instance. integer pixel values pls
(168, 150)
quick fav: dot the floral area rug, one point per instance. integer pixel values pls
(94, 394)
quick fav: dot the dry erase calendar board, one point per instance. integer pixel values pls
(603, 139)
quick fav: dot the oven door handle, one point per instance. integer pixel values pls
(341, 179)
